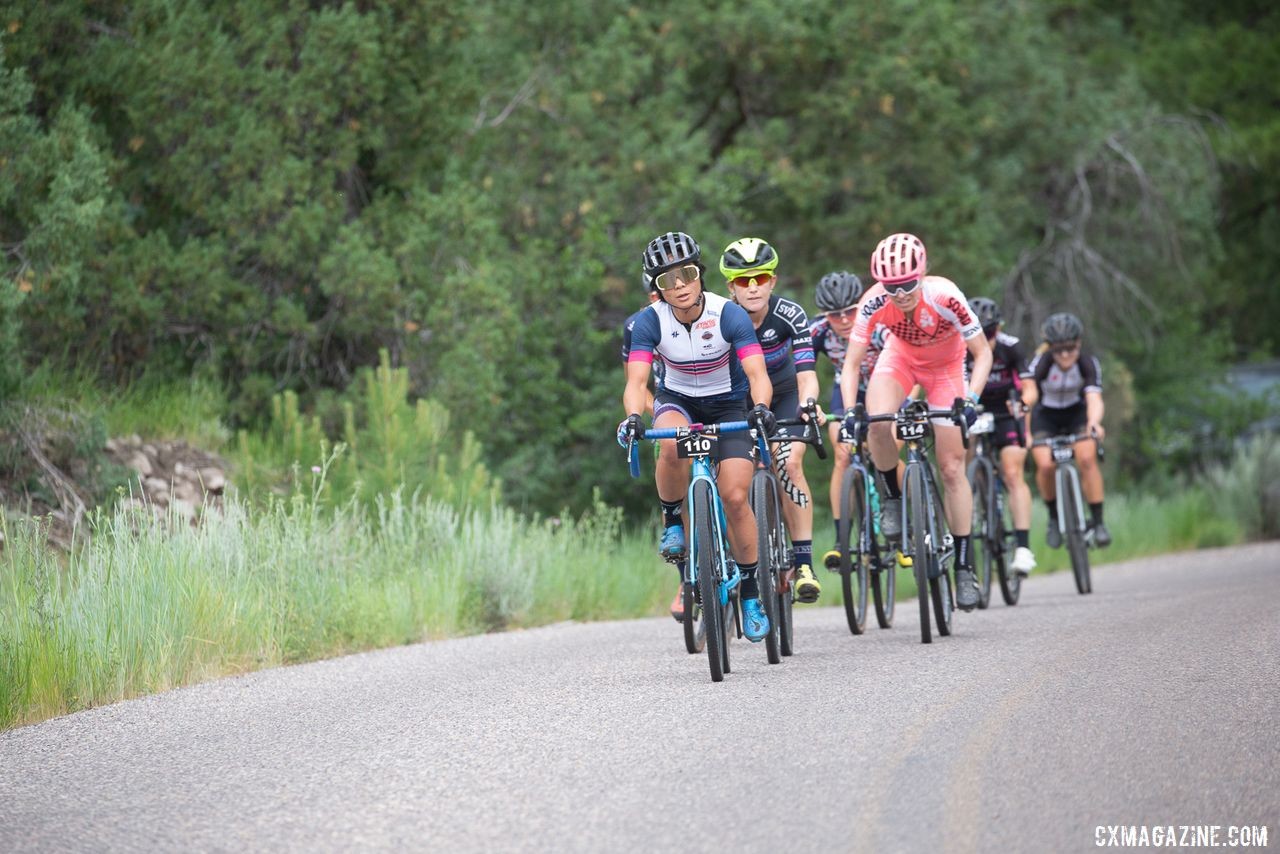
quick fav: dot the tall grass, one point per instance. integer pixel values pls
(147, 605)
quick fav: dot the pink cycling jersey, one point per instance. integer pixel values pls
(926, 345)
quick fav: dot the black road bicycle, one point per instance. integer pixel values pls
(993, 539)
(925, 538)
(1071, 510)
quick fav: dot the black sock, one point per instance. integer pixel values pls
(963, 558)
(837, 524)
(750, 588)
(891, 488)
(671, 512)
(1053, 511)
(1023, 538)
(1095, 510)
(802, 554)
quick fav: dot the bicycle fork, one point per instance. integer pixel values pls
(1068, 481)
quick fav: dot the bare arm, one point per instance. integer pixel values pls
(981, 352)
(850, 372)
(636, 397)
(1093, 412)
(806, 386)
(758, 375)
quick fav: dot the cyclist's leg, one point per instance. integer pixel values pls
(1013, 458)
(672, 476)
(1091, 486)
(943, 383)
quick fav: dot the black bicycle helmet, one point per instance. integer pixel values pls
(1061, 327)
(838, 290)
(670, 250)
(987, 311)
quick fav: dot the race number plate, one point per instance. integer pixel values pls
(985, 424)
(695, 445)
(1061, 455)
(911, 430)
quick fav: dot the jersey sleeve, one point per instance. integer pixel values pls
(868, 313)
(644, 336)
(801, 340)
(1038, 370)
(1091, 373)
(954, 308)
(737, 329)
(1018, 360)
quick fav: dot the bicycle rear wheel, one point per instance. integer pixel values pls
(854, 559)
(695, 622)
(706, 554)
(1002, 516)
(940, 587)
(764, 503)
(981, 540)
(1076, 546)
(917, 536)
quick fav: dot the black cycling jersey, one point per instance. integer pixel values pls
(788, 347)
(1060, 389)
(1008, 369)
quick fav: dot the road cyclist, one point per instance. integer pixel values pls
(749, 266)
(930, 327)
(712, 361)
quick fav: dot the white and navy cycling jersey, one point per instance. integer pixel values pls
(786, 343)
(704, 358)
(658, 366)
(1060, 389)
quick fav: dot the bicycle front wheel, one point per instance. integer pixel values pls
(940, 587)
(707, 556)
(1076, 546)
(917, 536)
(984, 548)
(764, 503)
(1002, 517)
(854, 559)
(695, 622)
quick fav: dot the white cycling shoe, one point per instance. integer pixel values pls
(1023, 561)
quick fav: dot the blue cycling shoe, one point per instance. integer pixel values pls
(672, 547)
(755, 622)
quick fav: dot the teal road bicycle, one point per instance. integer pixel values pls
(711, 575)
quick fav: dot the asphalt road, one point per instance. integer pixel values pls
(1151, 702)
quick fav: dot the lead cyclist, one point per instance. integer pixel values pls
(931, 327)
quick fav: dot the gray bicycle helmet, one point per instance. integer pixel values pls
(670, 250)
(1061, 327)
(837, 290)
(987, 311)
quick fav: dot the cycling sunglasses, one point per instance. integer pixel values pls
(1064, 348)
(847, 311)
(686, 275)
(760, 279)
(901, 288)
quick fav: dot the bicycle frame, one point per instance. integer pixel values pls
(1066, 477)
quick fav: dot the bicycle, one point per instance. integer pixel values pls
(1071, 511)
(866, 559)
(766, 502)
(925, 538)
(711, 576)
(993, 532)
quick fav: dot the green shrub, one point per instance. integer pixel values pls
(1248, 487)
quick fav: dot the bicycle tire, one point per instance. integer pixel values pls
(706, 553)
(1010, 582)
(695, 622)
(853, 561)
(785, 596)
(917, 534)
(766, 513)
(941, 590)
(1076, 546)
(980, 484)
(885, 572)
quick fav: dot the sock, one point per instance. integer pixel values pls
(1053, 511)
(891, 488)
(750, 587)
(1023, 538)
(963, 558)
(802, 554)
(837, 524)
(1095, 510)
(671, 512)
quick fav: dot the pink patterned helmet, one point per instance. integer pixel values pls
(898, 258)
